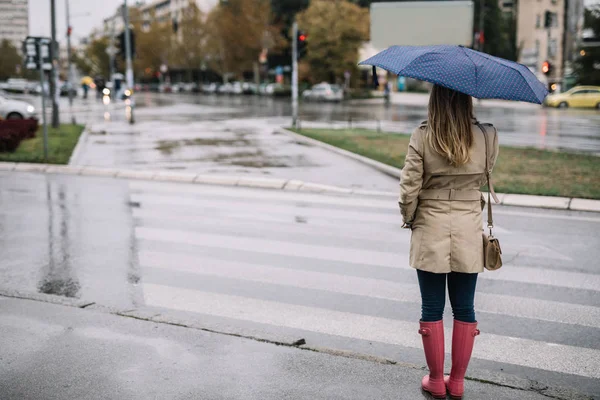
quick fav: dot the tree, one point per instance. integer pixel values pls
(499, 30)
(189, 49)
(10, 61)
(94, 60)
(587, 65)
(336, 29)
(236, 31)
(155, 45)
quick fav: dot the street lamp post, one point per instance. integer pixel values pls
(71, 84)
(54, 72)
(129, 71)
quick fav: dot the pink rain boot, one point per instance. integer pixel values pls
(463, 338)
(433, 344)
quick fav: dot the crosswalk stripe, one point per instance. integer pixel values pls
(270, 246)
(270, 195)
(511, 273)
(523, 352)
(227, 205)
(274, 222)
(377, 288)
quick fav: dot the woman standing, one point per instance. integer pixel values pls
(441, 203)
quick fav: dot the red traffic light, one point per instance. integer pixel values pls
(302, 37)
(69, 30)
(545, 67)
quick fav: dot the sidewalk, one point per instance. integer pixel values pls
(60, 352)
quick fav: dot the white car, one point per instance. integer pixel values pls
(324, 92)
(15, 109)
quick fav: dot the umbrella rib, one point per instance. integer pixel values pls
(476, 70)
(487, 56)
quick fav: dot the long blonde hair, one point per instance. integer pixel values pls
(449, 124)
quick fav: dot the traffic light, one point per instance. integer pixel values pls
(69, 30)
(546, 67)
(121, 44)
(301, 43)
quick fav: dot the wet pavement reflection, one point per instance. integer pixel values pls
(571, 129)
(68, 236)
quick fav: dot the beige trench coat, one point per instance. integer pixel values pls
(443, 204)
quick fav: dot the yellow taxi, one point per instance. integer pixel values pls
(579, 96)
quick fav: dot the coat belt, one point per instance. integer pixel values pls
(450, 194)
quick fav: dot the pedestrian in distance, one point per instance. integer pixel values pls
(441, 203)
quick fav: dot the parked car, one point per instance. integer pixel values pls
(249, 88)
(324, 92)
(225, 88)
(17, 85)
(579, 96)
(210, 88)
(66, 87)
(15, 109)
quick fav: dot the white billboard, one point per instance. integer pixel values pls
(419, 23)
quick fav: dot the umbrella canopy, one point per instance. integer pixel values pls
(87, 80)
(459, 68)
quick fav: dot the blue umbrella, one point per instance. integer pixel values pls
(459, 68)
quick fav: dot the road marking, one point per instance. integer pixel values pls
(268, 246)
(514, 306)
(497, 348)
(399, 259)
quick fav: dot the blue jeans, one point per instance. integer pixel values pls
(461, 290)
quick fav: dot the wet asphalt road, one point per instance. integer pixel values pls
(521, 125)
(283, 266)
(571, 129)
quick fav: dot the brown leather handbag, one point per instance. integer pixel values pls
(492, 253)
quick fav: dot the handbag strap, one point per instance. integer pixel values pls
(488, 173)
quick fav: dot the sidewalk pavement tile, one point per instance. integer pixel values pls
(27, 167)
(93, 171)
(171, 176)
(258, 182)
(64, 169)
(561, 203)
(585, 205)
(7, 166)
(293, 184)
(316, 187)
(136, 174)
(217, 179)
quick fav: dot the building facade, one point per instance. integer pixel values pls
(540, 36)
(172, 10)
(14, 21)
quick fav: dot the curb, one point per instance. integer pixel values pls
(292, 185)
(79, 146)
(381, 167)
(519, 200)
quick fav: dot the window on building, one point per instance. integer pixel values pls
(538, 21)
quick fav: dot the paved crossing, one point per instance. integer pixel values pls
(334, 271)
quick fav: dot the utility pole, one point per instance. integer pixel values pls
(295, 74)
(129, 71)
(111, 53)
(54, 72)
(71, 84)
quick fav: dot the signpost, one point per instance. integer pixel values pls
(37, 54)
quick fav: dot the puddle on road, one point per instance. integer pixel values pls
(168, 146)
(60, 287)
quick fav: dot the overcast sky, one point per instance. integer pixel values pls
(85, 16)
